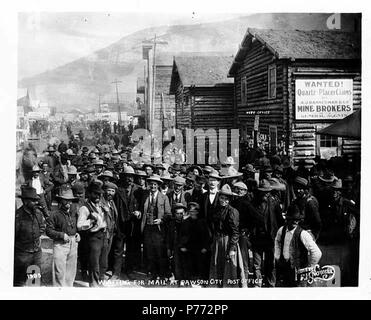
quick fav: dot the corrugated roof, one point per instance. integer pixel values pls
(203, 70)
(314, 44)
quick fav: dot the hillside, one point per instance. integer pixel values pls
(78, 83)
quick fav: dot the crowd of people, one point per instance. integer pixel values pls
(209, 225)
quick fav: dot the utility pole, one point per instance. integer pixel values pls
(117, 99)
(99, 108)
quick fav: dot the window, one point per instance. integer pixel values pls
(272, 78)
(243, 90)
(328, 141)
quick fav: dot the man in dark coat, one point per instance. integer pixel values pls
(154, 211)
(268, 219)
(178, 195)
(29, 226)
(309, 206)
(126, 204)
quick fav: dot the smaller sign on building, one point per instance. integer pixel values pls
(323, 99)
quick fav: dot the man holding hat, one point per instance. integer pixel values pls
(308, 205)
(294, 249)
(154, 210)
(29, 226)
(62, 229)
(93, 219)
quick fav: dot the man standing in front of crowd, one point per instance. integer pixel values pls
(29, 226)
(92, 218)
(294, 249)
(154, 209)
(61, 228)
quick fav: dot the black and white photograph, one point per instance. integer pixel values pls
(187, 150)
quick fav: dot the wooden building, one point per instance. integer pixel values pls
(203, 93)
(204, 97)
(290, 83)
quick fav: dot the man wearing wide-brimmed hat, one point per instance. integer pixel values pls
(51, 159)
(92, 218)
(62, 228)
(29, 226)
(112, 217)
(128, 225)
(308, 204)
(267, 221)
(294, 249)
(154, 210)
(247, 219)
(39, 184)
(226, 259)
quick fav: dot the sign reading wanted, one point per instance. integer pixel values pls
(323, 99)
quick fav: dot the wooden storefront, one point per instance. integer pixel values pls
(270, 69)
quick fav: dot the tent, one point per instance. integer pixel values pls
(349, 127)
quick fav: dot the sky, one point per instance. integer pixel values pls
(50, 39)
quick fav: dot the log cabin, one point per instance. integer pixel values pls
(289, 84)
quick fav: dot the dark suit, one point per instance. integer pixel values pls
(154, 234)
(128, 230)
(183, 198)
(268, 217)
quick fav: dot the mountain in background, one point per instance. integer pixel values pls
(77, 84)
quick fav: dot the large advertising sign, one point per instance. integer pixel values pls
(323, 99)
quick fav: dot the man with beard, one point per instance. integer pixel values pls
(61, 227)
(93, 218)
(128, 225)
(29, 226)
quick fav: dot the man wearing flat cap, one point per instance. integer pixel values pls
(308, 205)
(29, 226)
(177, 195)
(154, 211)
(62, 228)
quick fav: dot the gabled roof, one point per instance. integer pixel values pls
(300, 44)
(201, 70)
